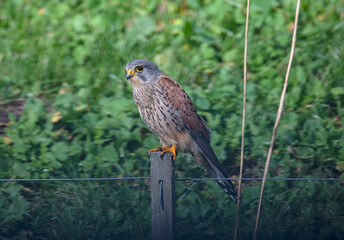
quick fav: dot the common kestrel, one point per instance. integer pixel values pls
(170, 114)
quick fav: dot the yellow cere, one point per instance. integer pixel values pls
(130, 72)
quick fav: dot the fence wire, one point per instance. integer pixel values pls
(178, 179)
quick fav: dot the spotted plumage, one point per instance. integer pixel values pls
(170, 114)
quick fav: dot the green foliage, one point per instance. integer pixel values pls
(67, 60)
(76, 211)
(300, 210)
(13, 205)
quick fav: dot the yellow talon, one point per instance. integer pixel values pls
(158, 149)
(164, 150)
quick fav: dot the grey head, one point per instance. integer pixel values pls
(143, 70)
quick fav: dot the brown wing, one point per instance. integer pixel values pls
(182, 108)
(185, 118)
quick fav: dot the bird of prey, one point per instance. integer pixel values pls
(170, 114)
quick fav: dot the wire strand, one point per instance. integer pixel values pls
(70, 179)
(260, 179)
(178, 179)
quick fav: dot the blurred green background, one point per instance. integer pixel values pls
(66, 110)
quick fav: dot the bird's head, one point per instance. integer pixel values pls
(140, 70)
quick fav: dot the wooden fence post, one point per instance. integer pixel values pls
(163, 196)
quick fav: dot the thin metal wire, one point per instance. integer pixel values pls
(179, 179)
(70, 179)
(161, 201)
(260, 179)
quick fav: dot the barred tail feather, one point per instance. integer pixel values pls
(214, 167)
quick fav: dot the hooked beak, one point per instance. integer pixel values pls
(130, 74)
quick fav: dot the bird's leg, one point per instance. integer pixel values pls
(164, 150)
(172, 150)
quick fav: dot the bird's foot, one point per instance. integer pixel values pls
(164, 150)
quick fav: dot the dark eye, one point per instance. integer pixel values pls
(139, 69)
